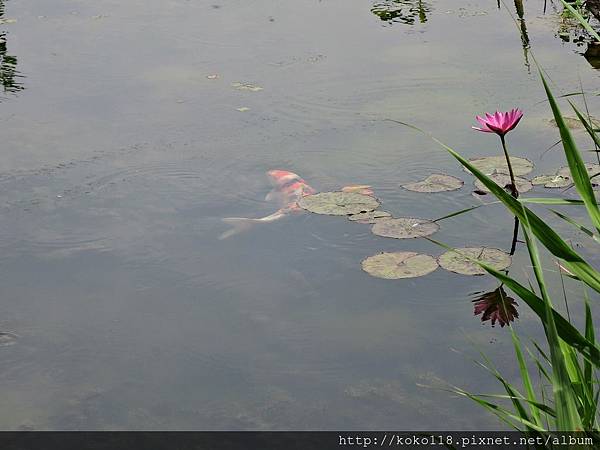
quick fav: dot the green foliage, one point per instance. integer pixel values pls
(572, 359)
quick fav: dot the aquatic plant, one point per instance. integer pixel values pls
(501, 123)
(570, 365)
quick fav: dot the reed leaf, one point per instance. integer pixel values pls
(579, 173)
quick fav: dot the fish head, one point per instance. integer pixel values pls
(288, 187)
(280, 178)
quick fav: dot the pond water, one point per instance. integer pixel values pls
(124, 143)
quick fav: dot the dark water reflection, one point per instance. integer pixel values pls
(403, 11)
(9, 75)
(124, 310)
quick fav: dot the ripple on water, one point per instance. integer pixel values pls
(7, 338)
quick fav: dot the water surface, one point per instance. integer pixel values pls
(122, 151)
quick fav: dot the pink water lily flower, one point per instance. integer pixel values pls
(499, 122)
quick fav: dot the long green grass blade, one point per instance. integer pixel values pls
(584, 23)
(566, 331)
(579, 173)
(549, 201)
(573, 222)
(526, 378)
(587, 125)
(567, 415)
(547, 236)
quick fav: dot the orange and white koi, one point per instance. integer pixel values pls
(288, 189)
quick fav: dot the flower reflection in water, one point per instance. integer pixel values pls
(496, 306)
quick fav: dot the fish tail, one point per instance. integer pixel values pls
(238, 225)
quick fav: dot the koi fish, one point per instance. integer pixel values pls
(288, 189)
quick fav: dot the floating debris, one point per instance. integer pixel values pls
(7, 338)
(490, 165)
(246, 87)
(242, 109)
(338, 203)
(393, 266)
(370, 217)
(573, 123)
(460, 260)
(503, 180)
(213, 76)
(7, 21)
(404, 228)
(436, 182)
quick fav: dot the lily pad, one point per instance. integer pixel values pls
(490, 165)
(405, 228)
(563, 178)
(573, 123)
(592, 169)
(502, 180)
(338, 203)
(456, 260)
(551, 181)
(370, 217)
(393, 266)
(436, 182)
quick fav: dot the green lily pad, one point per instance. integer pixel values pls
(457, 262)
(393, 266)
(592, 169)
(370, 216)
(497, 164)
(405, 228)
(338, 203)
(563, 178)
(436, 182)
(573, 123)
(502, 180)
(551, 181)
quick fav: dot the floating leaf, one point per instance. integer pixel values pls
(246, 87)
(503, 180)
(405, 228)
(562, 178)
(7, 338)
(497, 164)
(458, 260)
(338, 203)
(573, 123)
(592, 169)
(393, 266)
(436, 182)
(551, 181)
(370, 216)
